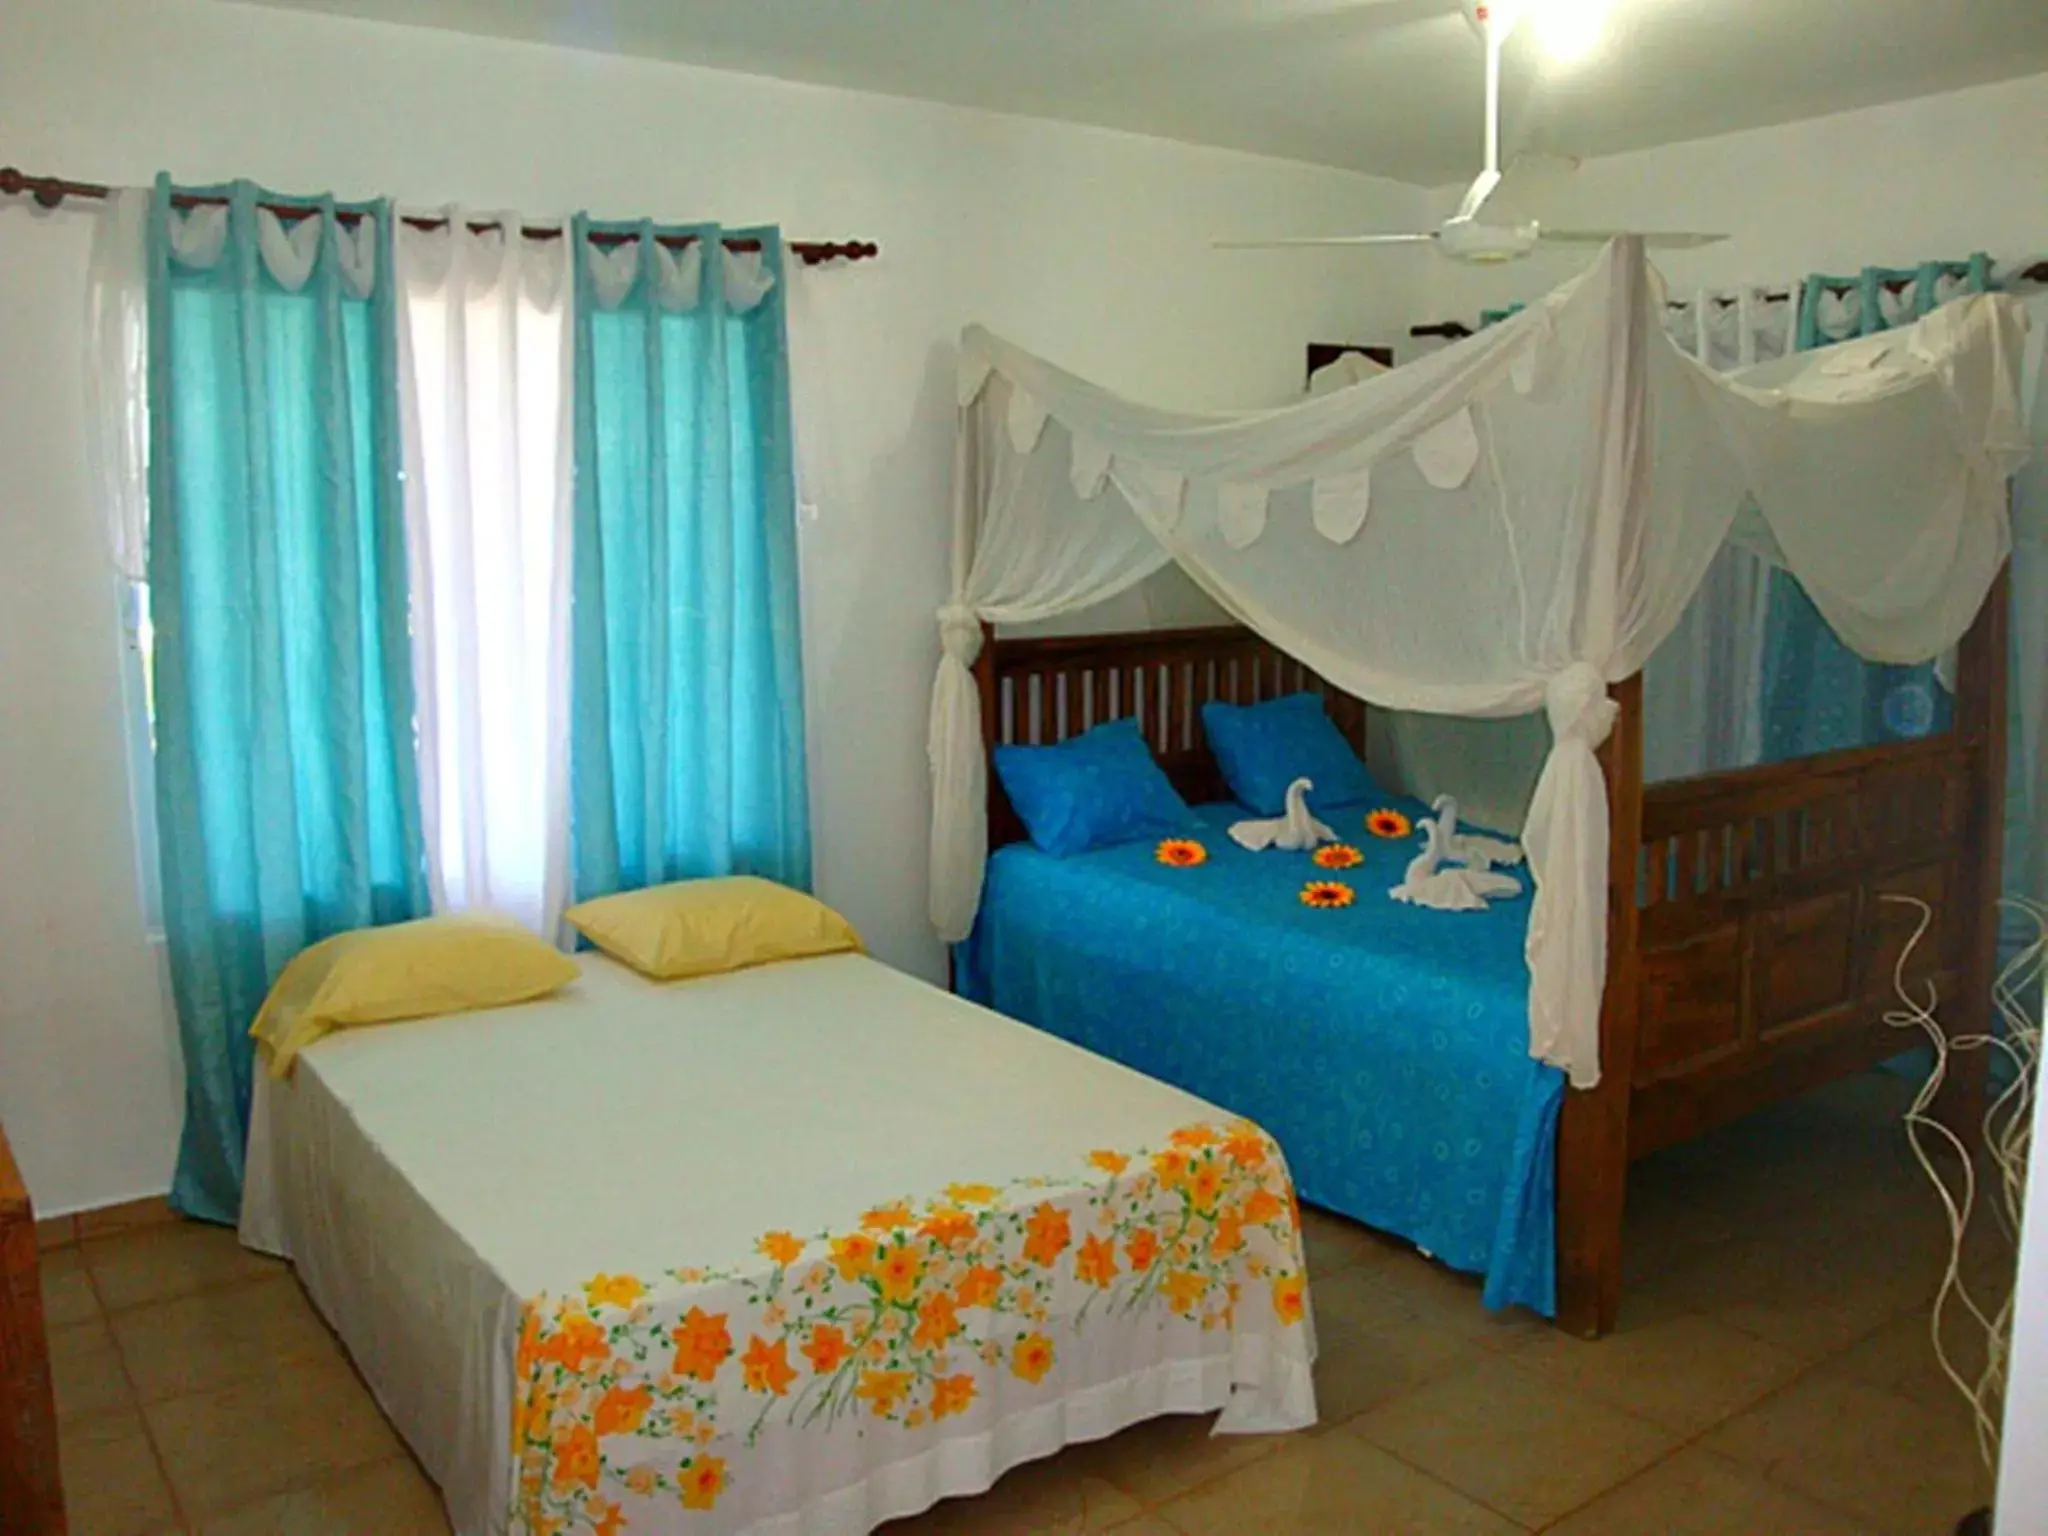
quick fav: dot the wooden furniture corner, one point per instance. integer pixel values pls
(31, 1496)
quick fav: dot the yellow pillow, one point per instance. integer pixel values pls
(701, 927)
(405, 971)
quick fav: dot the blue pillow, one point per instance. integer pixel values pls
(1262, 748)
(1092, 790)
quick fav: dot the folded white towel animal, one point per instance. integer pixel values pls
(1296, 832)
(1427, 884)
(1469, 847)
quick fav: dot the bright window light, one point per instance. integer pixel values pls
(1569, 30)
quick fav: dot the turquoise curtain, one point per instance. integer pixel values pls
(286, 803)
(687, 721)
(1820, 696)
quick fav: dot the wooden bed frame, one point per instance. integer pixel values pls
(31, 1500)
(1750, 955)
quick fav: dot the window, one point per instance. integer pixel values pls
(138, 720)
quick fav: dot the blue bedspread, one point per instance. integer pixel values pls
(1385, 1046)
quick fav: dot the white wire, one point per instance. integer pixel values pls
(2008, 1123)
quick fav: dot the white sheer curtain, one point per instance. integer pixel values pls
(1510, 524)
(1703, 689)
(485, 363)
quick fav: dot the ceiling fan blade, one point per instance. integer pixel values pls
(1667, 240)
(1324, 240)
(1531, 183)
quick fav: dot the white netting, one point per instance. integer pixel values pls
(1542, 501)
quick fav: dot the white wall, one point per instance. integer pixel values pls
(1085, 245)
(1891, 186)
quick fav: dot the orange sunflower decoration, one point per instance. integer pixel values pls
(1325, 894)
(1181, 853)
(1388, 823)
(1337, 856)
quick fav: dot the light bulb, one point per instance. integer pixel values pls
(1569, 29)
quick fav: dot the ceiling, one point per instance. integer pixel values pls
(1385, 86)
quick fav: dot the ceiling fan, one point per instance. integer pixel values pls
(1465, 236)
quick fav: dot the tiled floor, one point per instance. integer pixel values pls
(1772, 1375)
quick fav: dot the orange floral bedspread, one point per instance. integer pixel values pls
(671, 1402)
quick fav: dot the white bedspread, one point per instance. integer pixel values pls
(605, 1169)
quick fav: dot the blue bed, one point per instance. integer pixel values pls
(1385, 1046)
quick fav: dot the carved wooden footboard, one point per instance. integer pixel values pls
(1753, 950)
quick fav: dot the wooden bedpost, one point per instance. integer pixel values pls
(1592, 1132)
(1980, 719)
(985, 685)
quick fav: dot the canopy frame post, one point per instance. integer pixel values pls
(1980, 719)
(1593, 1131)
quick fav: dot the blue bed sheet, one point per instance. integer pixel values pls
(1385, 1046)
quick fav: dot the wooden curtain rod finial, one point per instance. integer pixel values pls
(50, 192)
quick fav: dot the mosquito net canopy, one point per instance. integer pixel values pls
(1507, 525)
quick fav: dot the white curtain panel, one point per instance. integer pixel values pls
(1544, 500)
(485, 382)
(1703, 689)
(117, 376)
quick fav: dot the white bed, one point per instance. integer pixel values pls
(599, 1170)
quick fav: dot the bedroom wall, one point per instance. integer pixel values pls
(1087, 246)
(1887, 186)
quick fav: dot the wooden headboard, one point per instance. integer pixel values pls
(1038, 692)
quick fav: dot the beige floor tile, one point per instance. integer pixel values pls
(1898, 1466)
(235, 1445)
(1444, 1298)
(1679, 1370)
(54, 1232)
(111, 1483)
(153, 1263)
(1515, 1441)
(1695, 1493)
(1376, 1345)
(1328, 1485)
(67, 1289)
(1054, 1497)
(85, 1370)
(1813, 1288)
(393, 1498)
(1336, 1242)
(1162, 1457)
(129, 1216)
(1900, 1357)
(194, 1343)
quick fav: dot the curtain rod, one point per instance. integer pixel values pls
(50, 192)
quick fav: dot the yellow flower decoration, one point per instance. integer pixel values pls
(613, 1290)
(1388, 823)
(1338, 856)
(1288, 1291)
(1181, 853)
(1325, 894)
(1031, 1359)
(703, 1479)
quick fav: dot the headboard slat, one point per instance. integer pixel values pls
(1043, 691)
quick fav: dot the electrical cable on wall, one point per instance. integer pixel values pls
(2008, 1125)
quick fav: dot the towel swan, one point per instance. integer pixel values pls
(1471, 848)
(1427, 884)
(1296, 832)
